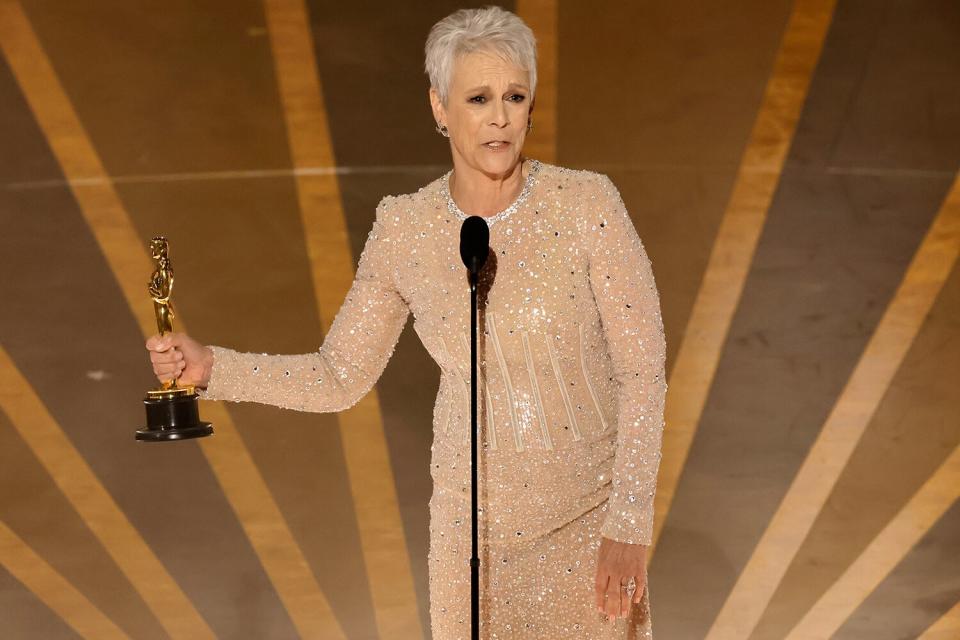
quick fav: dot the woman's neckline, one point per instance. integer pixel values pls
(500, 215)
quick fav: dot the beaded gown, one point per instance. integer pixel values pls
(570, 396)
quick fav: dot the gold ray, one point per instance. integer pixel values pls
(946, 628)
(846, 423)
(266, 528)
(53, 589)
(883, 554)
(125, 253)
(382, 539)
(736, 241)
(541, 17)
(91, 500)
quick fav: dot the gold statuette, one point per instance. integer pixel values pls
(172, 412)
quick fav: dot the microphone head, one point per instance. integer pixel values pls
(474, 243)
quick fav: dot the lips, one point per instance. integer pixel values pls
(496, 144)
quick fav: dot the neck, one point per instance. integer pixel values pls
(479, 193)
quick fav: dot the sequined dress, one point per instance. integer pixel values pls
(571, 393)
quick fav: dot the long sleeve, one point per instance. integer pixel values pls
(353, 354)
(622, 281)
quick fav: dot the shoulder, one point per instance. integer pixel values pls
(590, 197)
(404, 206)
(594, 203)
(579, 190)
(575, 180)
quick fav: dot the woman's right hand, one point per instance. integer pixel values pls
(177, 356)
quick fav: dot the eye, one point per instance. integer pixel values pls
(478, 99)
(517, 97)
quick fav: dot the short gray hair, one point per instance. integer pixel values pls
(488, 29)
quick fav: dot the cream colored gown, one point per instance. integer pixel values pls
(571, 395)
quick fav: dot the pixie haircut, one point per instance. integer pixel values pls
(490, 29)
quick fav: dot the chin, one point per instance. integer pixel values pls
(498, 162)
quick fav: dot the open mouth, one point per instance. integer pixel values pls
(497, 145)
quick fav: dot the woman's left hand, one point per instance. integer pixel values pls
(618, 562)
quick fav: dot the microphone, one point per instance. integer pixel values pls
(474, 245)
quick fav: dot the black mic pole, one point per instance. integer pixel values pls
(474, 247)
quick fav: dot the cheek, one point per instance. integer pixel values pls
(468, 126)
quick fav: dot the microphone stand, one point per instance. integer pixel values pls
(474, 557)
(474, 249)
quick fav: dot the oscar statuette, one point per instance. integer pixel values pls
(172, 412)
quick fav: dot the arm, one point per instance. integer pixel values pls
(352, 357)
(622, 281)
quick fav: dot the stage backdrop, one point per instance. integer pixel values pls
(791, 166)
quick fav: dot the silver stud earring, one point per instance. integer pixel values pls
(442, 130)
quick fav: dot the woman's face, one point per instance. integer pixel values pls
(487, 109)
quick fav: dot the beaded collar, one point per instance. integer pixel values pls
(500, 215)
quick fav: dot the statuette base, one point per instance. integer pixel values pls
(172, 414)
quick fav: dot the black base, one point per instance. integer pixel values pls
(163, 435)
(173, 417)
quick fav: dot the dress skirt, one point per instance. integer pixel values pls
(536, 589)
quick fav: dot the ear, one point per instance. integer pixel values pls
(439, 113)
(533, 103)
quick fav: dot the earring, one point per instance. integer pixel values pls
(529, 125)
(442, 130)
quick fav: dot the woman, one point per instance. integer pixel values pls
(571, 366)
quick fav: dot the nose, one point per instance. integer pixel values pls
(499, 116)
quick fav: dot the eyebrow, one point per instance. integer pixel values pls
(512, 85)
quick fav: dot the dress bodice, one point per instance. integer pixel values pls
(571, 360)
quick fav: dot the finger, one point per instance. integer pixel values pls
(166, 359)
(169, 340)
(160, 346)
(162, 357)
(638, 594)
(624, 598)
(600, 588)
(165, 367)
(168, 369)
(612, 601)
(160, 343)
(170, 376)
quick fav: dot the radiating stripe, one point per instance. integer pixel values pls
(883, 554)
(74, 477)
(586, 378)
(266, 528)
(72, 148)
(532, 371)
(733, 250)
(541, 17)
(382, 536)
(505, 374)
(852, 412)
(53, 589)
(571, 415)
(125, 253)
(946, 628)
(491, 431)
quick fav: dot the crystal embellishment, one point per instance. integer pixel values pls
(500, 215)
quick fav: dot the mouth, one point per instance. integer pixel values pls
(496, 145)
